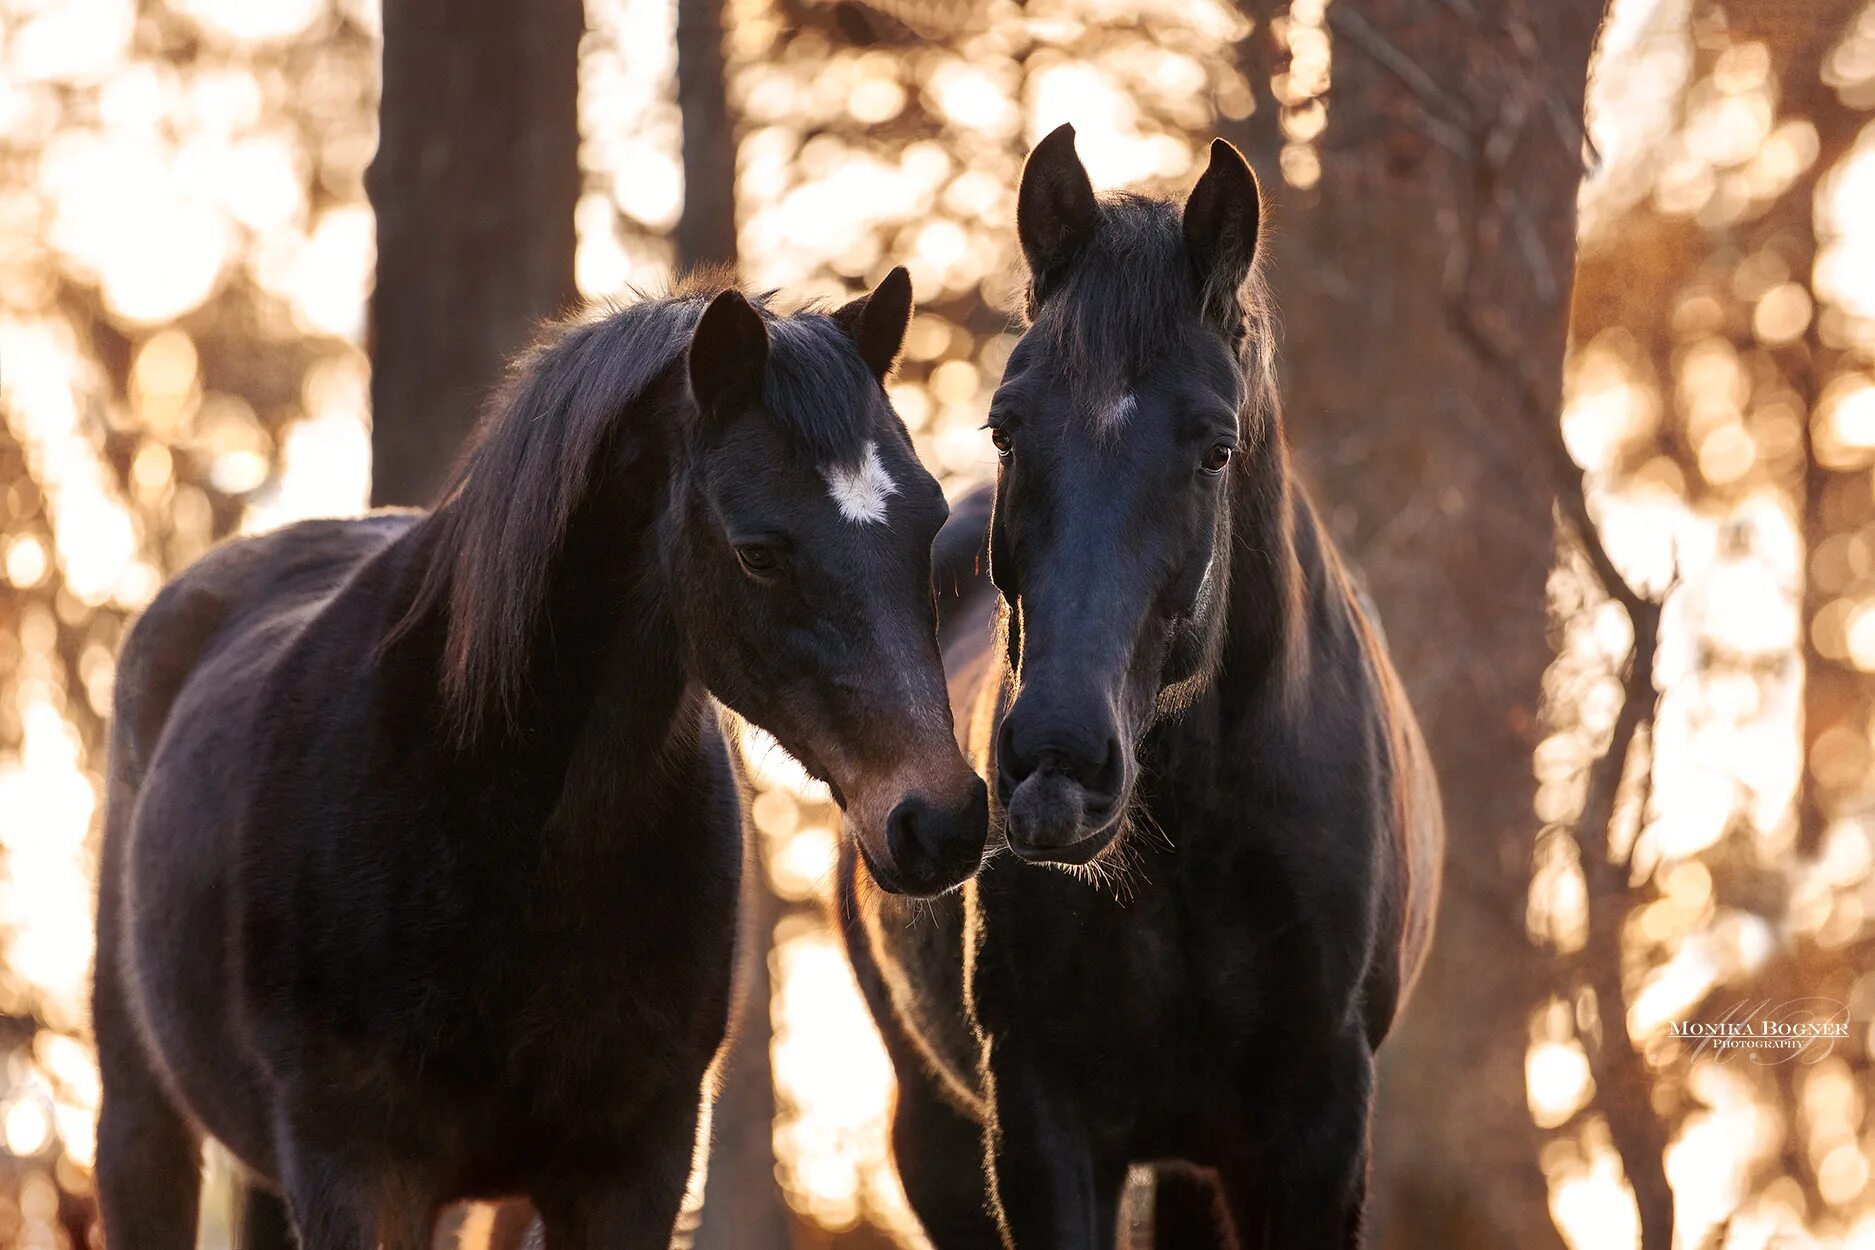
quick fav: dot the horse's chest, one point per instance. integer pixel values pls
(575, 982)
(1151, 1005)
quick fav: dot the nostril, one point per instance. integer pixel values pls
(1096, 773)
(1013, 766)
(902, 831)
(933, 846)
(1095, 761)
(1105, 779)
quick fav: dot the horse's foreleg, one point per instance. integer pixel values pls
(265, 1224)
(338, 1203)
(1317, 1171)
(1187, 1212)
(633, 1204)
(1053, 1194)
(939, 1153)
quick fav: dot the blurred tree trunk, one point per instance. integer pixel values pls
(742, 1203)
(474, 186)
(1424, 283)
(706, 232)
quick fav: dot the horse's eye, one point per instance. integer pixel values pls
(1000, 438)
(1216, 458)
(758, 560)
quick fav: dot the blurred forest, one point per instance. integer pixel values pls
(1623, 542)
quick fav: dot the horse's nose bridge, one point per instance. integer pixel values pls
(1075, 622)
(906, 667)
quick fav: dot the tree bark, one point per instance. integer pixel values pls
(743, 1206)
(474, 186)
(1424, 284)
(706, 233)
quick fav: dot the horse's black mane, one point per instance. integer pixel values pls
(585, 384)
(1128, 300)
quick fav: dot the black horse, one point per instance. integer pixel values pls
(421, 845)
(1192, 713)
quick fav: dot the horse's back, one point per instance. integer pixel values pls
(960, 553)
(242, 585)
(1419, 832)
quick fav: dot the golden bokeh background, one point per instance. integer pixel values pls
(186, 252)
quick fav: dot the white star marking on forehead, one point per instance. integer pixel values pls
(1118, 415)
(860, 490)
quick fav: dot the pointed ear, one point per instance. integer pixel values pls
(728, 354)
(877, 321)
(1055, 208)
(1222, 220)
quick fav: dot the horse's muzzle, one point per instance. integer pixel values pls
(1051, 818)
(932, 847)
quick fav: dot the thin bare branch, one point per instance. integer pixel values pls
(1444, 118)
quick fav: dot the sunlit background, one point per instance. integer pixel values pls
(185, 255)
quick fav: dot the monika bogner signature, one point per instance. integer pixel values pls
(1803, 1029)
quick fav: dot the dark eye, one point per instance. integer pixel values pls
(758, 560)
(1000, 438)
(1216, 458)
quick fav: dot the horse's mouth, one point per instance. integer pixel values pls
(1095, 829)
(1083, 850)
(1053, 819)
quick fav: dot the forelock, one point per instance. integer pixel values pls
(819, 389)
(1127, 300)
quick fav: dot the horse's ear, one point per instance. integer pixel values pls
(1055, 208)
(1222, 219)
(878, 320)
(728, 354)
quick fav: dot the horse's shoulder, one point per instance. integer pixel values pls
(1380, 734)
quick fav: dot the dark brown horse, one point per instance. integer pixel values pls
(421, 845)
(1223, 832)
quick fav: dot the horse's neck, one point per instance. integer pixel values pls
(1266, 652)
(1267, 656)
(637, 733)
(613, 652)
(610, 696)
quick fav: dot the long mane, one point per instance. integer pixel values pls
(505, 516)
(509, 505)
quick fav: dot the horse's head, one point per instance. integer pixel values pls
(1126, 425)
(801, 545)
